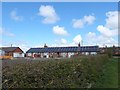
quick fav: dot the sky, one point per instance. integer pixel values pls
(32, 24)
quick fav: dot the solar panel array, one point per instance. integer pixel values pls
(64, 49)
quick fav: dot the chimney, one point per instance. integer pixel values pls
(113, 46)
(45, 45)
(79, 48)
(11, 45)
(79, 44)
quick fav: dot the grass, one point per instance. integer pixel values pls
(79, 72)
(109, 78)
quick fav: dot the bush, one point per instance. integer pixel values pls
(79, 72)
(109, 52)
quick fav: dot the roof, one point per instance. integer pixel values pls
(9, 49)
(64, 49)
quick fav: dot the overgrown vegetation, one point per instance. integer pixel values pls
(79, 72)
(109, 52)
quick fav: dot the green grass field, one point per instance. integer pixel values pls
(110, 75)
(80, 72)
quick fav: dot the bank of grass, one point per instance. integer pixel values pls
(77, 72)
(109, 79)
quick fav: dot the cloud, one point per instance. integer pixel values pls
(91, 35)
(49, 14)
(6, 33)
(60, 30)
(93, 39)
(63, 41)
(110, 29)
(89, 19)
(77, 39)
(79, 23)
(15, 17)
(106, 31)
(112, 20)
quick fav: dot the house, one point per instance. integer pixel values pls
(11, 52)
(116, 51)
(53, 52)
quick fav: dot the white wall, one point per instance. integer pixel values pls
(86, 53)
(29, 54)
(46, 54)
(70, 54)
(2, 53)
(93, 53)
(63, 54)
(18, 55)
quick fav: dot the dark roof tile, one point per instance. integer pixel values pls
(64, 49)
(8, 49)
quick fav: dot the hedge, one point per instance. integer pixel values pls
(79, 72)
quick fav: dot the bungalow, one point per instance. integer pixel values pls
(116, 51)
(53, 52)
(11, 52)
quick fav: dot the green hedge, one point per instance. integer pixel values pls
(79, 72)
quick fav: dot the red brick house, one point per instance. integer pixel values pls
(13, 52)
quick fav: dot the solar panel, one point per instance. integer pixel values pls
(60, 49)
(64, 49)
(71, 49)
(75, 49)
(81, 49)
(48, 49)
(51, 49)
(55, 49)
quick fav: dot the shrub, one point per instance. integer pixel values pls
(79, 72)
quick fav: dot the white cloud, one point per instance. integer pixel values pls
(49, 14)
(59, 30)
(79, 23)
(60, 42)
(63, 41)
(93, 39)
(77, 39)
(6, 33)
(91, 35)
(101, 40)
(15, 17)
(89, 19)
(110, 29)
(112, 20)
(106, 31)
